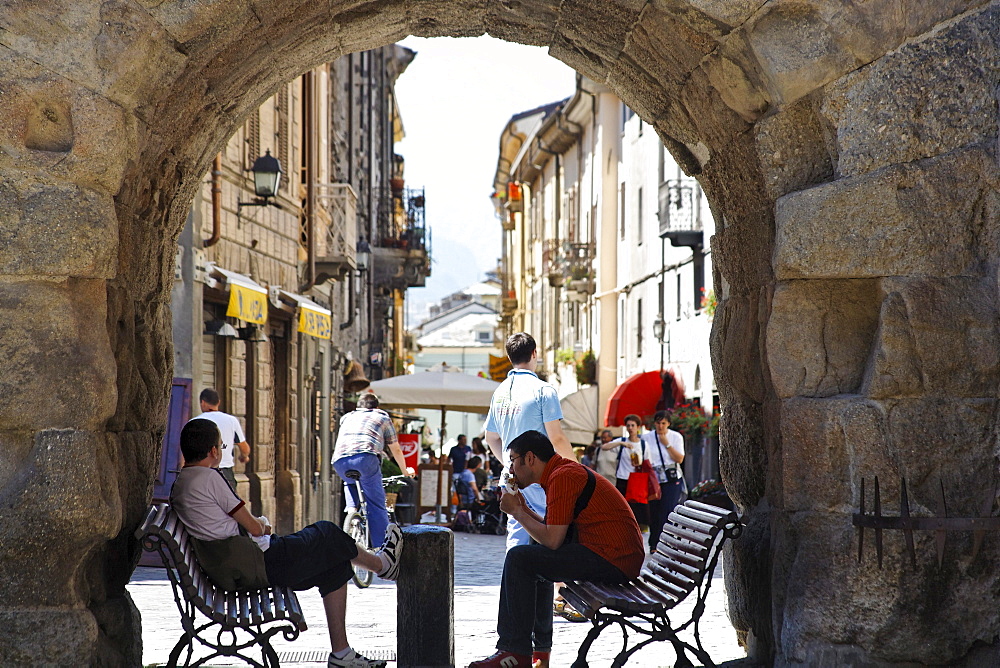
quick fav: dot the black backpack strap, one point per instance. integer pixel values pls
(588, 491)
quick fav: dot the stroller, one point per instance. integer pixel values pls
(478, 516)
(486, 514)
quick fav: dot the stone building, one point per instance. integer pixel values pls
(277, 302)
(849, 153)
(592, 205)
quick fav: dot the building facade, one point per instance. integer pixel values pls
(288, 304)
(605, 248)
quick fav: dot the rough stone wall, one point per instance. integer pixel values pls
(849, 150)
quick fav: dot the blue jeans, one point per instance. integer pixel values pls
(534, 495)
(370, 468)
(659, 510)
(528, 565)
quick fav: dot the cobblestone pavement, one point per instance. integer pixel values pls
(371, 618)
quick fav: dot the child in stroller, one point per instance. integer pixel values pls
(477, 516)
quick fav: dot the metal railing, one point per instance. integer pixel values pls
(337, 236)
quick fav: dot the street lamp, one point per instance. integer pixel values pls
(266, 179)
(659, 327)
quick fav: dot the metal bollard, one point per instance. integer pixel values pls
(425, 600)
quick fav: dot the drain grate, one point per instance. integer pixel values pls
(320, 655)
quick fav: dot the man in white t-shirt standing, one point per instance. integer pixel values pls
(521, 403)
(229, 427)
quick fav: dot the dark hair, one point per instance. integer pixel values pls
(367, 400)
(198, 437)
(519, 348)
(210, 397)
(477, 446)
(533, 441)
(634, 418)
(661, 415)
(460, 437)
(474, 462)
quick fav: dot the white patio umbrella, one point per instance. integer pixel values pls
(580, 419)
(436, 388)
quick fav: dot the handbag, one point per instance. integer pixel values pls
(654, 482)
(638, 486)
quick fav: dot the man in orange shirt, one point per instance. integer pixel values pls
(588, 533)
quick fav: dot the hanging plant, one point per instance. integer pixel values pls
(586, 369)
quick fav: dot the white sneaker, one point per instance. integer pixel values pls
(390, 551)
(353, 660)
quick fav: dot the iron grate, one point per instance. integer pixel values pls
(320, 655)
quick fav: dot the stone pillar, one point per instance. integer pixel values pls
(882, 355)
(425, 610)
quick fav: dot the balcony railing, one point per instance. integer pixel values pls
(336, 229)
(678, 213)
(402, 253)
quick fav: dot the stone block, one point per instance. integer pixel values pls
(741, 91)
(62, 505)
(425, 605)
(929, 97)
(796, 50)
(51, 124)
(731, 13)
(822, 440)
(522, 21)
(835, 611)
(936, 335)
(59, 636)
(58, 370)
(792, 149)
(927, 218)
(820, 335)
(55, 229)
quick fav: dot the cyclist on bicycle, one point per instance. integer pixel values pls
(362, 440)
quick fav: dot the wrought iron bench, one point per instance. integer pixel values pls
(237, 620)
(684, 561)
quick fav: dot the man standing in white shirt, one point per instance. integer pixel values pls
(521, 403)
(229, 427)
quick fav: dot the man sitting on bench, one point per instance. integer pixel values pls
(319, 555)
(588, 533)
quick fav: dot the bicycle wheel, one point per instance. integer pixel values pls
(357, 528)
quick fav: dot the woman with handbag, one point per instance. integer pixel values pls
(631, 454)
(665, 452)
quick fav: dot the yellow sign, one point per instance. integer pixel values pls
(247, 304)
(314, 323)
(499, 366)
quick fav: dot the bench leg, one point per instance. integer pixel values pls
(581, 656)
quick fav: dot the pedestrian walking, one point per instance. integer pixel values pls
(665, 451)
(231, 431)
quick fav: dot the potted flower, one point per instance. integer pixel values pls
(712, 492)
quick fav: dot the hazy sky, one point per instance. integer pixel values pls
(455, 99)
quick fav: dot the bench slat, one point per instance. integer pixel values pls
(255, 615)
(243, 598)
(296, 616)
(670, 575)
(265, 604)
(682, 561)
(693, 525)
(279, 604)
(232, 609)
(654, 580)
(578, 602)
(695, 537)
(730, 515)
(695, 514)
(697, 551)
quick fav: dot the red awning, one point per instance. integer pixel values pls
(640, 394)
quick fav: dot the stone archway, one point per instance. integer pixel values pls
(849, 152)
